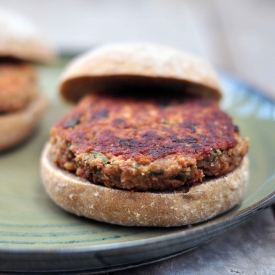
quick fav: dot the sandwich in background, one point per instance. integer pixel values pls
(21, 103)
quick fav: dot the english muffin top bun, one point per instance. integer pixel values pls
(146, 144)
(21, 103)
(139, 66)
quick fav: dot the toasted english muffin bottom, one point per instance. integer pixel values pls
(17, 126)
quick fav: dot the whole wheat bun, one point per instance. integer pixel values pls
(17, 126)
(162, 209)
(122, 66)
(20, 39)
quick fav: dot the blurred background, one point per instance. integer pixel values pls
(237, 36)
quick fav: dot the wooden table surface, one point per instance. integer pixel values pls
(238, 36)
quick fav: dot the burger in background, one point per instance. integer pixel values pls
(21, 103)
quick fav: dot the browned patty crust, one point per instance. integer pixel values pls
(158, 143)
(18, 85)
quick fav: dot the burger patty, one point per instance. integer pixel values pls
(18, 85)
(147, 144)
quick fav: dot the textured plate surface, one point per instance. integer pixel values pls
(37, 236)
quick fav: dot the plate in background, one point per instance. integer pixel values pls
(37, 236)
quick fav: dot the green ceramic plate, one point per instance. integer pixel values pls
(37, 236)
